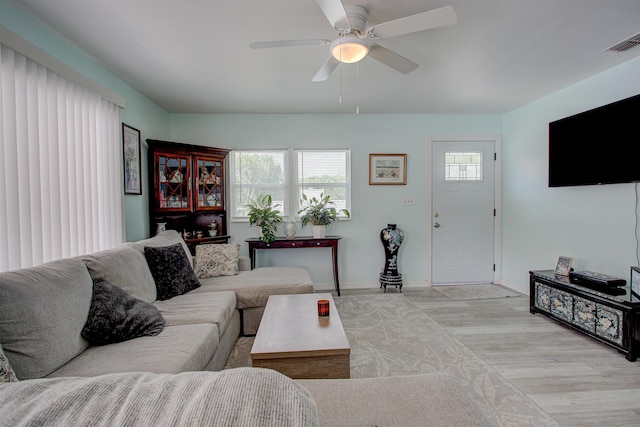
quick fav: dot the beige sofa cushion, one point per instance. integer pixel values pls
(253, 287)
(191, 309)
(162, 239)
(176, 349)
(125, 267)
(42, 311)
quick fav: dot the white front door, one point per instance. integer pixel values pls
(463, 215)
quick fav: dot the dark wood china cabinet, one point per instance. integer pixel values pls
(187, 191)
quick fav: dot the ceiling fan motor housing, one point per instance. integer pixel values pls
(358, 17)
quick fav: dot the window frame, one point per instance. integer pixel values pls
(292, 185)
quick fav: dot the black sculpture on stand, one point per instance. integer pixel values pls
(391, 238)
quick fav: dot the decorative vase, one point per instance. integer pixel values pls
(391, 238)
(290, 227)
(318, 231)
(213, 233)
(162, 226)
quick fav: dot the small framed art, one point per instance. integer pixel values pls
(132, 161)
(635, 283)
(563, 266)
(387, 169)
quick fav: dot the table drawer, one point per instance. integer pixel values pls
(317, 244)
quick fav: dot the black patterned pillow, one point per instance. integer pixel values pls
(6, 371)
(217, 260)
(116, 316)
(171, 270)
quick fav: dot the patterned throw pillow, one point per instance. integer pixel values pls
(6, 372)
(217, 260)
(171, 270)
(116, 316)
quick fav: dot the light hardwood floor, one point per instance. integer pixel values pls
(578, 381)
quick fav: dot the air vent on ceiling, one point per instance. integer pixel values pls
(626, 44)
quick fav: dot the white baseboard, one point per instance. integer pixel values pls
(328, 286)
(515, 287)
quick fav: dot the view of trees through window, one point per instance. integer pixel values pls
(286, 175)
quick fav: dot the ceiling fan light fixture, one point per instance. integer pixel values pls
(349, 49)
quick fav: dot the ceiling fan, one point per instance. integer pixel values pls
(356, 41)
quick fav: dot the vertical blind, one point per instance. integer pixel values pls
(60, 166)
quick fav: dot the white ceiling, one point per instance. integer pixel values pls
(193, 56)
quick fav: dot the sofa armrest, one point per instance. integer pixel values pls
(244, 263)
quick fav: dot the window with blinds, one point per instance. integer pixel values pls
(61, 151)
(286, 175)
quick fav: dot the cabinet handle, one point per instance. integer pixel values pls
(318, 243)
(293, 244)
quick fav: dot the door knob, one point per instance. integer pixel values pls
(436, 225)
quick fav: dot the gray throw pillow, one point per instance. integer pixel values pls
(116, 316)
(171, 270)
(6, 371)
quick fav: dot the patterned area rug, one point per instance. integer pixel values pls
(391, 336)
(480, 291)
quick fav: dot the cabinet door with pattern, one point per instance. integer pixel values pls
(173, 184)
(209, 191)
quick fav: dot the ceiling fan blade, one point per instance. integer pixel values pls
(392, 59)
(286, 43)
(325, 71)
(335, 13)
(419, 22)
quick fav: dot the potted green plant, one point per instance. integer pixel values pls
(263, 213)
(319, 212)
(213, 228)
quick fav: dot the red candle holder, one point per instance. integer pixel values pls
(323, 307)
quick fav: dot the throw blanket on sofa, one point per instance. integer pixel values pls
(236, 397)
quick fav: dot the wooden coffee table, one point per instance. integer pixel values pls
(295, 341)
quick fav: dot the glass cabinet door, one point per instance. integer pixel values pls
(173, 182)
(209, 183)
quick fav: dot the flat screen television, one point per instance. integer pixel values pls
(599, 146)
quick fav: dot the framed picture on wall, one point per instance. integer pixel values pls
(132, 161)
(635, 283)
(563, 266)
(387, 169)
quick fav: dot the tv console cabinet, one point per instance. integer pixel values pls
(611, 319)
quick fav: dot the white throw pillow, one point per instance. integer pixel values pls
(217, 260)
(6, 372)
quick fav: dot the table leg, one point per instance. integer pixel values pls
(336, 280)
(252, 256)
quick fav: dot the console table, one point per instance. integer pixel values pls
(299, 242)
(611, 316)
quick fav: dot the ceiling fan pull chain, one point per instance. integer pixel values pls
(358, 88)
(340, 98)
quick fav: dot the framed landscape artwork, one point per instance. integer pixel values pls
(132, 161)
(387, 169)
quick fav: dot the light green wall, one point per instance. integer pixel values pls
(595, 225)
(140, 112)
(373, 207)
(592, 224)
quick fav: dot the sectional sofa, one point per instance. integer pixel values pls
(131, 336)
(44, 309)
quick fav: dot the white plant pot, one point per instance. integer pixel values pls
(318, 231)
